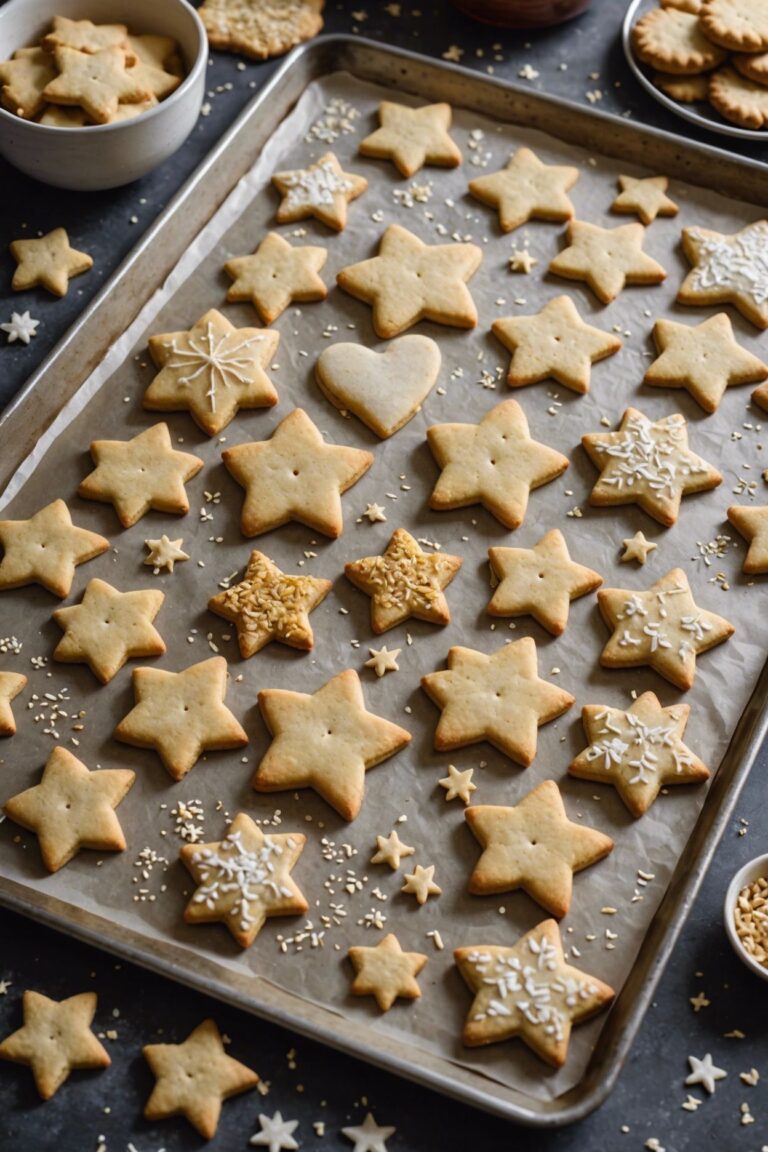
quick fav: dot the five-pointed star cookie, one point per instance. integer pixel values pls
(533, 846)
(48, 261)
(138, 474)
(212, 371)
(556, 344)
(539, 581)
(325, 741)
(528, 991)
(458, 784)
(383, 660)
(275, 1133)
(243, 879)
(637, 548)
(752, 524)
(23, 79)
(164, 553)
(607, 259)
(96, 82)
(46, 549)
(646, 198)
(269, 605)
(705, 1072)
(648, 463)
(404, 582)
(494, 463)
(295, 475)
(194, 1078)
(369, 1136)
(498, 698)
(276, 275)
(421, 884)
(386, 972)
(108, 628)
(11, 683)
(702, 358)
(662, 628)
(527, 189)
(181, 714)
(55, 1039)
(390, 850)
(639, 751)
(728, 269)
(413, 137)
(72, 808)
(410, 281)
(323, 190)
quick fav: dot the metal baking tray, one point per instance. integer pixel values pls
(62, 373)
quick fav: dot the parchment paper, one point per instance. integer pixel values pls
(109, 405)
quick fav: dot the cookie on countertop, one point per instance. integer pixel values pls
(738, 98)
(705, 359)
(671, 40)
(646, 198)
(527, 189)
(741, 25)
(728, 269)
(751, 522)
(48, 261)
(260, 28)
(606, 259)
(386, 972)
(323, 190)
(539, 581)
(276, 275)
(46, 549)
(97, 82)
(56, 1039)
(413, 137)
(11, 683)
(108, 628)
(23, 80)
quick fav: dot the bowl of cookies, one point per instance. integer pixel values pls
(96, 93)
(746, 915)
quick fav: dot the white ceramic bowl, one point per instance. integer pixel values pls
(751, 871)
(105, 155)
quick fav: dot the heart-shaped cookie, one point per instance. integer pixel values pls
(384, 389)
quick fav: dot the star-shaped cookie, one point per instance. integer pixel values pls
(48, 261)
(269, 605)
(752, 524)
(276, 275)
(323, 190)
(413, 137)
(702, 358)
(494, 463)
(95, 81)
(728, 269)
(646, 198)
(410, 281)
(458, 785)
(22, 80)
(164, 553)
(404, 582)
(539, 581)
(383, 660)
(46, 549)
(295, 475)
(528, 991)
(639, 751)
(421, 884)
(533, 846)
(108, 628)
(662, 628)
(181, 714)
(72, 808)
(85, 36)
(637, 548)
(11, 683)
(325, 741)
(56, 1038)
(138, 474)
(554, 344)
(243, 879)
(386, 972)
(527, 189)
(648, 463)
(390, 850)
(369, 1136)
(212, 371)
(498, 698)
(607, 259)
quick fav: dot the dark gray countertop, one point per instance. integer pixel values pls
(323, 1086)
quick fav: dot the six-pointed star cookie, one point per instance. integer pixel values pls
(72, 808)
(646, 198)
(527, 189)
(413, 137)
(95, 81)
(386, 972)
(212, 371)
(325, 741)
(662, 628)
(539, 581)
(404, 582)
(48, 261)
(243, 879)
(556, 344)
(181, 714)
(410, 281)
(138, 474)
(46, 549)
(194, 1078)
(648, 463)
(323, 190)
(702, 358)
(269, 605)
(606, 259)
(164, 553)
(109, 627)
(56, 1038)
(295, 475)
(498, 698)
(528, 991)
(728, 269)
(533, 846)
(494, 463)
(639, 751)
(276, 275)
(752, 524)
(11, 683)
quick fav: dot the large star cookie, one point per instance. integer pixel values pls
(97, 82)
(386, 972)
(527, 189)
(322, 190)
(48, 261)
(752, 524)
(413, 137)
(539, 581)
(46, 549)
(498, 698)
(11, 683)
(276, 275)
(607, 259)
(646, 198)
(55, 1039)
(728, 269)
(108, 628)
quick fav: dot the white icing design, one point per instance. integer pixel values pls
(234, 869)
(314, 187)
(739, 262)
(224, 365)
(637, 747)
(653, 634)
(650, 453)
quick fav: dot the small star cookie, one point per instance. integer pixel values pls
(11, 683)
(420, 883)
(458, 785)
(276, 275)
(391, 850)
(323, 190)
(46, 549)
(48, 261)
(21, 327)
(369, 1136)
(55, 1039)
(275, 1133)
(702, 358)
(386, 972)
(607, 259)
(23, 79)
(413, 137)
(164, 553)
(108, 628)
(752, 524)
(539, 581)
(527, 189)
(728, 270)
(97, 82)
(704, 1072)
(383, 660)
(646, 198)
(637, 548)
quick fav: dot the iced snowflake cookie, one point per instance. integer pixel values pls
(741, 25)
(648, 463)
(752, 523)
(738, 98)
(276, 275)
(662, 628)
(606, 259)
(528, 991)
(260, 28)
(646, 198)
(48, 261)
(323, 191)
(728, 270)
(11, 683)
(108, 628)
(386, 972)
(527, 189)
(413, 137)
(46, 549)
(673, 41)
(702, 358)
(55, 1039)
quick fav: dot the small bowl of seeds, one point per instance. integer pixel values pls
(746, 915)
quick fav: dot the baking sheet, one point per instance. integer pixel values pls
(401, 478)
